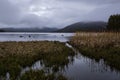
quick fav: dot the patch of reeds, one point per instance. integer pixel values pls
(16, 55)
(101, 45)
(41, 75)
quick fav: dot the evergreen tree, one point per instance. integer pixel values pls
(114, 23)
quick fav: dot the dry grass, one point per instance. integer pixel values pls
(104, 45)
(27, 48)
(16, 55)
(97, 39)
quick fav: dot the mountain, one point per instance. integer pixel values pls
(2, 30)
(85, 26)
(80, 26)
(45, 29)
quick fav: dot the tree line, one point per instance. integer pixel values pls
(114, 23)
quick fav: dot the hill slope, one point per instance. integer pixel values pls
(45, 29)
(85, 26)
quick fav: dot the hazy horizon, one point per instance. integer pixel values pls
(54, 13)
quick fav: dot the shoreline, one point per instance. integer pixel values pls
(16, 55)
(95, 46)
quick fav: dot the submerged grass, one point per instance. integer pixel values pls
(104, 45)
(40, 75)
(16, 55)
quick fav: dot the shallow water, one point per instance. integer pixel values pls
(62, 37)
(79, 66)
(84, 68)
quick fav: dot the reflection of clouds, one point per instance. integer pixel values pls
(84, 68)
(94, 65)
(36, 66)
(49, 66)
(97, 66)
(78, 67)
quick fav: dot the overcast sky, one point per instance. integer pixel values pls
(54, 13)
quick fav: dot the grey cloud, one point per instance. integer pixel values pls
(54, 13)
(9, 13)
(93, 1)
(103, 13)
(33, 21)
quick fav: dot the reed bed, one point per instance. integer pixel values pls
(40, 75)
(104, 39)
(14, 56)
(101, 45)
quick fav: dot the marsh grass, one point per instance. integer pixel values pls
(16, 55)
(104, 45)
(41, 75)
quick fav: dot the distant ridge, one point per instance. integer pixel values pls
(85, 26)
(79, 26)
(45, 29)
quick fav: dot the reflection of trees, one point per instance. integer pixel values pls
(98, 66)
(57, 62)
(53, 65)
(53, 55)
(41, 75)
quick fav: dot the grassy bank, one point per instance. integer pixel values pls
(16, 55)
(105, 45)
(40, 75)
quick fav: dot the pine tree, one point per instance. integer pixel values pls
(114, 23)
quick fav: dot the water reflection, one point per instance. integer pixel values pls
(73, 65)
(36, 66)
(78, 67)
(84, 68)
(54, 64)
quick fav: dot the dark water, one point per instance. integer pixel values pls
(79, 67)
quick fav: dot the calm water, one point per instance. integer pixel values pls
(78, 68)
(63, 37)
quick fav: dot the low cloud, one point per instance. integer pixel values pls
(54, 13)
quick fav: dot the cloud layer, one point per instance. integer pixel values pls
(54, 13)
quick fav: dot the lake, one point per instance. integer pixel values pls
(62, 37)
(79, 67)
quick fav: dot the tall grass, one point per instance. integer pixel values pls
(41, 75)
(16, 55)
(104, 39)
(104, 45)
